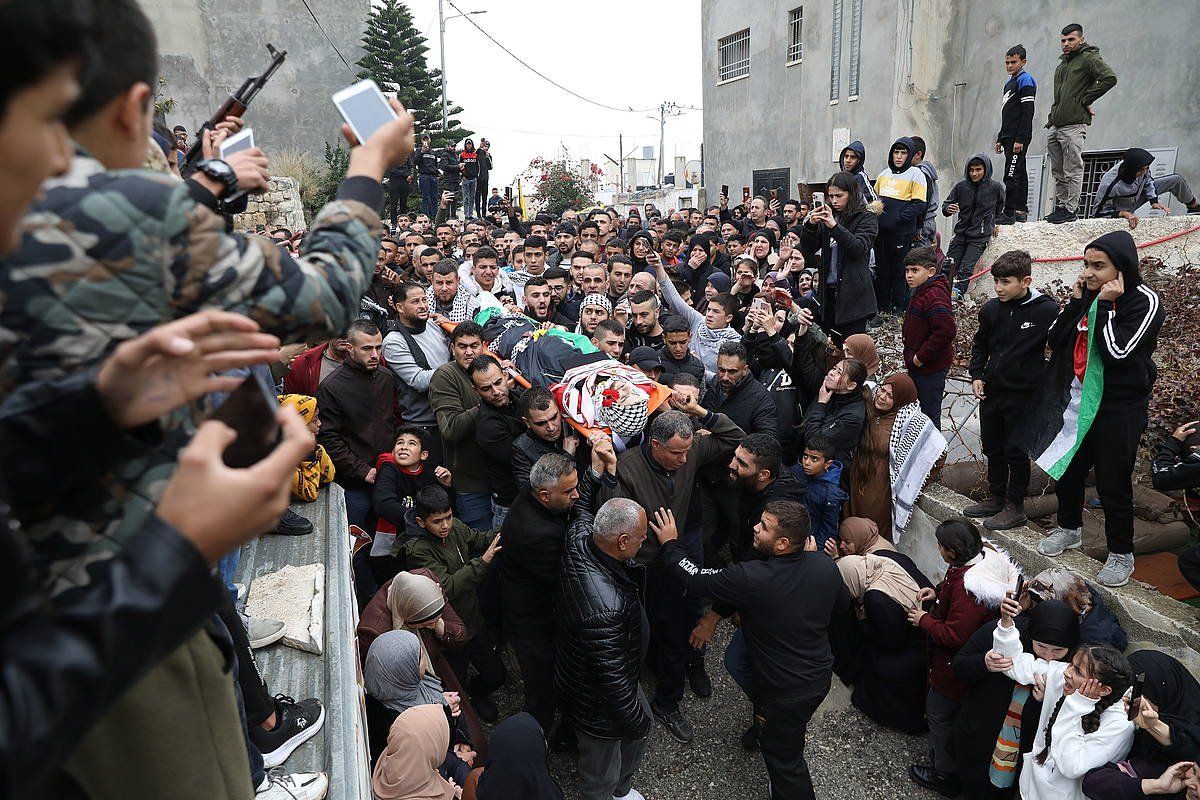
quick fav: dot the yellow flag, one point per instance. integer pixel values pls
(521, 199)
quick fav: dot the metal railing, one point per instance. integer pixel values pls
(733, 56)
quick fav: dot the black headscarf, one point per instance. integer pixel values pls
(1055, 623)
(1177, 694)
(640, 264)
(517, 763)
(1135, 158)
(698, 276)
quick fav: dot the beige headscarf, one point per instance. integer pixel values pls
(862, 573)
(863, 533)
(414, 599)
(416, 747)
(860, 346)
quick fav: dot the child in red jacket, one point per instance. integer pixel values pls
(976, 579)
(929, 330)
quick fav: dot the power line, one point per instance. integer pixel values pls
(541, 75)
(326, 35)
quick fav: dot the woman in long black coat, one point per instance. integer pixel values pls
(990, 695)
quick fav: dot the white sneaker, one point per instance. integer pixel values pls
(296, 786)
(263, 631)
(634, 794)
(1116, 570)
(1060, 539)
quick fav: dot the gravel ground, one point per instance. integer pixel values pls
(850, 756)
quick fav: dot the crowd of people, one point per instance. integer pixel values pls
(583, 439)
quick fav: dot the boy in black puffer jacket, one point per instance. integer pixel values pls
(978, 201)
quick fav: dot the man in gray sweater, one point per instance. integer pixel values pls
(412, 352)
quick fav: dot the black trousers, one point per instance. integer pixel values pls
(1001, 415)
(784, 726)
(673, 614)
(535, 655)
(480, 652)
(481, 195)
(1111, 447)
(1016, 178)
(255, 697)
(398, 190)
(891, 291)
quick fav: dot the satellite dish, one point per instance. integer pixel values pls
(691, 172)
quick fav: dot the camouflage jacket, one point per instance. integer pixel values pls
(106, 256)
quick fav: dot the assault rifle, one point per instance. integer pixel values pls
(234, 106)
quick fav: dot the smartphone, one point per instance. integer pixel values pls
(818, 199)
(364, 108)
(508, 193)
(745, 194)
(1139, 683)
(250, 410)
(725, 189)
(243, 140)
(774, 194)
(760, 306)
(1020, 588)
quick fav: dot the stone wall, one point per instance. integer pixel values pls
(280, 206)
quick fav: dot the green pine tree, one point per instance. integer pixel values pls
(396, 60)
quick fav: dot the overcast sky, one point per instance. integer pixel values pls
(624, 53)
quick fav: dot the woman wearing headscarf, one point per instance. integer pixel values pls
(888, 669)
(517, 767)
(1128, 185)
(394, 677)
(762, 248)
(998, 719)
(698, 263)
(871, 476)
(408, 767)
(1092, 407)
(1168, 731)
(844, 231)
(859, 536)
(862, 347)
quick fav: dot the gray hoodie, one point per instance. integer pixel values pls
(978, 203)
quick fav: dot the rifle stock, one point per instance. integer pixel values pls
(235, 105)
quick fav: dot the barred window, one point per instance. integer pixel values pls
(856, 9)
(733, 56)
(795, 51)
(835, 59)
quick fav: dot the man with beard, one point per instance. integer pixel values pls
(557, 279)
(497, 425)
(620, 273)
(593, 310)
(564, 239)
(645, 330)
(446, 297)
(736, 394)
(358, 422)
(538, 305)
(792, 602)
(545, 433)
(593, 279)
(412, 352)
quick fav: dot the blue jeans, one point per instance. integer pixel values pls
(429, 194)
(227, 566)
(499, 514)
(474, 509)
(737, 663)
(930, 390)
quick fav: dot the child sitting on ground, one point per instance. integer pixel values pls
(400, 475)
(316, 470)
(825, 495)
(928, 331)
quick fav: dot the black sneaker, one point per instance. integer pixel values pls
(945, 785)
(1055, 216)
(675, 723)
(698, 679)
(295, 724)
(292, 524)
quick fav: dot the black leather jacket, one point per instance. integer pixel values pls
(66, 664)
(601, 638)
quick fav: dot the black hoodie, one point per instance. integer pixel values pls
(1127, 329)
(978, 203)
(859, 171)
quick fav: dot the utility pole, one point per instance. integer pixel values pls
(442, 53)
(667, 107)
(621, 163)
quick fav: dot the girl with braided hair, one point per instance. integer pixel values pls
(1083, 724)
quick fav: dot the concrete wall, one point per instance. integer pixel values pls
(209, 47)
(780, 116)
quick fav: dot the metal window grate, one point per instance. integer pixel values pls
(1094, 167)
(835, 59)
(795, 51)
(856, 9)
(733, 56)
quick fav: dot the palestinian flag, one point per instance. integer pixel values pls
(1066, 412)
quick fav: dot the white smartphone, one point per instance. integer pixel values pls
(818, 199)
(242, 140)
(364, 108)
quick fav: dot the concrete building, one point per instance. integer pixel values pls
(209, 48)
(787, 83)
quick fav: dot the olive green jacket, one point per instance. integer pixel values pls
(1080, 79)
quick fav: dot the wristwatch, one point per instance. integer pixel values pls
(222, 173)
